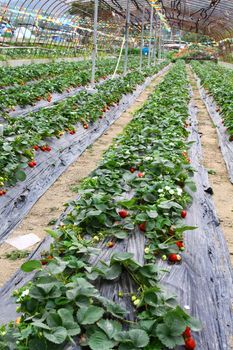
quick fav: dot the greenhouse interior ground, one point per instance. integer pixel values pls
(116, 174)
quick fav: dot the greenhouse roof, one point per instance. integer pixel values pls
(209, 17)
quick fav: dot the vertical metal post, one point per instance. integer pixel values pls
(127, 23)
(151, 28)
(142, 35)
(155, 41)
(160, 39)
(94, 50)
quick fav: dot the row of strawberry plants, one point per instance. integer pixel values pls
(219, 82)
(24, 136)
(23, 74)
(29, 94)
(148, 162)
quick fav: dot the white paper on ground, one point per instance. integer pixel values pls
(23, 242)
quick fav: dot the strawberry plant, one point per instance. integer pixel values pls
(58, 80)
(62, 303)
(22, 134)
(219, 82)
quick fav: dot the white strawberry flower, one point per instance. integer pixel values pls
(25, 293)
(179, 191)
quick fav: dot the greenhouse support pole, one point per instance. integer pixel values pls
(160, 40)
(151, 28)
(127, 36)
(94, 51)
(142, 36)
(155, 42)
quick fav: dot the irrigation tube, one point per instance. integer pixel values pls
(119, 58)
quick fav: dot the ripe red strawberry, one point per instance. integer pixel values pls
(187, 333)
(48, 148)
(35, 147)
(123, 213)
(85, 126)
(49, 98)
(174, 258)
(2, 192)
(190, 344)
(110, 244)
(140, 174)
(43, 148)
(183, 214)
(132, 170)
(32, 164)
(180, 244)
(72, 132)
(142, 227)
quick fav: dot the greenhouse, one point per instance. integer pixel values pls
(116, 174)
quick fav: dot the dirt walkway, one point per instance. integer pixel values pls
(213, 161)
(51, 204)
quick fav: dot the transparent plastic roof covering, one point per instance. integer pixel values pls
(209, 17)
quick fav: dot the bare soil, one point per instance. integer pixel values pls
(50, 206)
(213, 161)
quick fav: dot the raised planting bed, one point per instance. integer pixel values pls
(216, 88)
(83, 117)
(73, 76)
(104, 272)
(102, 267)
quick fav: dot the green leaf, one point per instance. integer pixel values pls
(121, 257)
(169, 205)
(66, 315)
(163, 332)
(116, 310)
(194, 324)
(93, 213)
(139, 338)
(31, 265)
(89, 315)
(152, 214)
(52, 233)
(40, 324)
(185, 228)
(110, 327)
(99, 341)
(57, 266)
(57, 336)
(147, 324)
(128, 204)
(113, 272)
(141, 217)
(20, 175)
(120, 234)
(53, 319)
